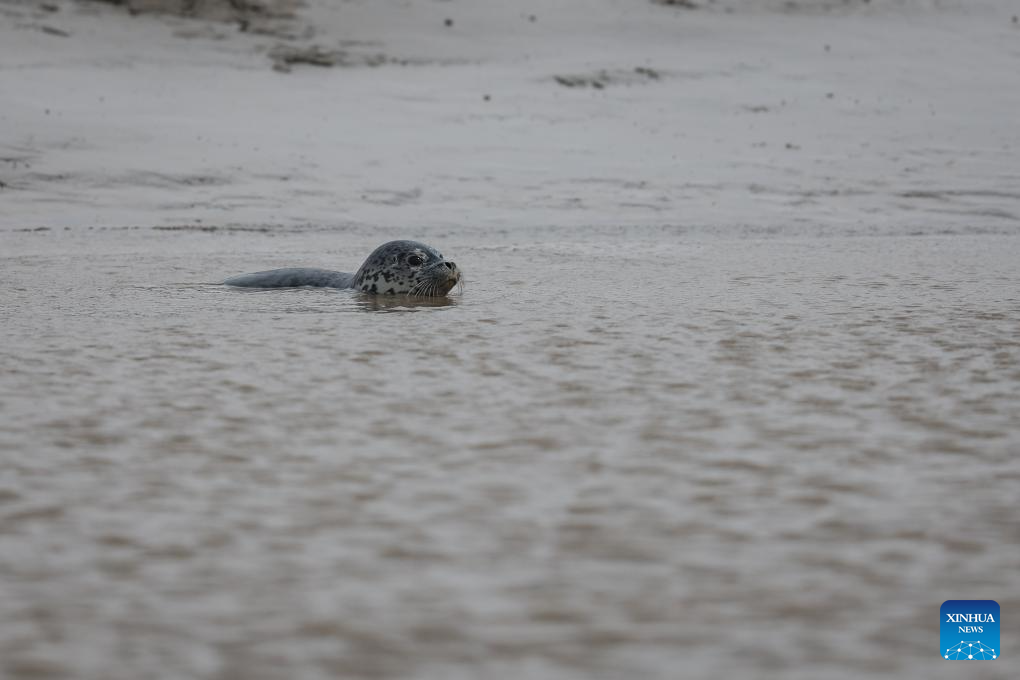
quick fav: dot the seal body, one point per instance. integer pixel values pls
(394, 268)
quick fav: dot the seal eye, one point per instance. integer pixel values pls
(414, 260)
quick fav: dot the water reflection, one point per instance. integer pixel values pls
(327, 300)
(400, 303)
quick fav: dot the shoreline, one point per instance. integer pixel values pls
(766, 118)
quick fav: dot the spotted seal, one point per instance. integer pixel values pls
(394, 268)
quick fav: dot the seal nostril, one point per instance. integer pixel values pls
(451, 266)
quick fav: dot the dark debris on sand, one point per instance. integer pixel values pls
(286, 56)
(601, 79)
(217, 10)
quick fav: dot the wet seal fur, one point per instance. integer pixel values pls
(394, 268)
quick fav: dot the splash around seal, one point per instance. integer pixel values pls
(394, 268)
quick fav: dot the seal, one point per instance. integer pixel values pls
(394, 268)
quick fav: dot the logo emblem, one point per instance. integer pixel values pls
(969, 630)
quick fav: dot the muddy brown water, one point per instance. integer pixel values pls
(617, 453)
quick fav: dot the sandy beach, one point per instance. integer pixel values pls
(732, 388)
(892, 116)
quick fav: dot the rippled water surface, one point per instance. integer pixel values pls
(618, 453)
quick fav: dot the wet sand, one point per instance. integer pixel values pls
(732, 388)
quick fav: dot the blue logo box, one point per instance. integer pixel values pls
(969, 630)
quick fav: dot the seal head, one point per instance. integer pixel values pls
(406, 268)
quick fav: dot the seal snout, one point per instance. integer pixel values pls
(452, 273)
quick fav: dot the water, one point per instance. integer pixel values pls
(644, 452)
